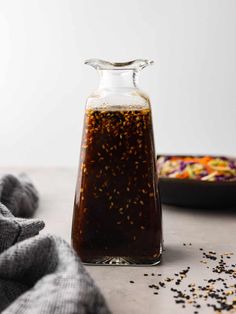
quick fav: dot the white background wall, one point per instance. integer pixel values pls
(44, 84)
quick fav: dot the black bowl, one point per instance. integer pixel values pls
(196, 193)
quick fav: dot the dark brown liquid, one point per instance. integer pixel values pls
(117, 210)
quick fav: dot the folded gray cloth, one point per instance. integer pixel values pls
(19, 195)
(13, 229)
(41, 273)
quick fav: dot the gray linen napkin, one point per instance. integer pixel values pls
(19, 195)
(40, 273)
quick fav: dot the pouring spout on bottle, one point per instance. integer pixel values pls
(117, 75)
(135, 65)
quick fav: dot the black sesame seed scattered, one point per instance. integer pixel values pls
(131, 281)
(217, 292)
(162, 284)
(145, 275)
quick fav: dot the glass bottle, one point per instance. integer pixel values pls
(117, 213)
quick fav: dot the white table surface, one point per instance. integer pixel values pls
(211, 230)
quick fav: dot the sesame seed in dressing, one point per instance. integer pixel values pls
(118, 188)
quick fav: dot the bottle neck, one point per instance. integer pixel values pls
(116, 79)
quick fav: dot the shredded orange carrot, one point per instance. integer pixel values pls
(183, 175)
(209, 169)
(205, 160)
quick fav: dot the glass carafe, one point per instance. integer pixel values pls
(117, 212)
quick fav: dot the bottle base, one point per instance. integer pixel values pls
(123, 261)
